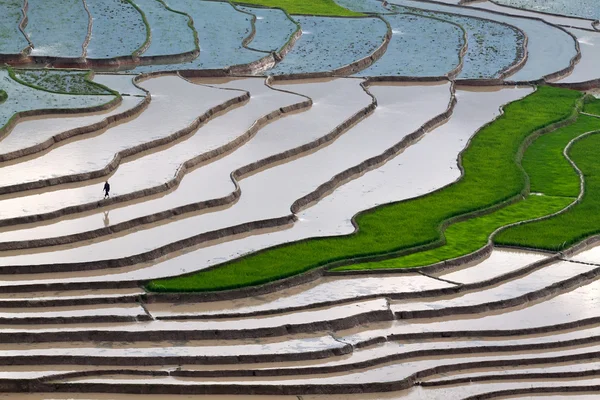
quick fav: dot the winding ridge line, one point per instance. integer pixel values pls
(22, 26)
(236, 175)
(186, 167)
(29, 385)
(123, 154)
(55, 141)
(146, 44)
(591, 21)
(555, 75)
(486, 250)
(88, 36)
(14, 120)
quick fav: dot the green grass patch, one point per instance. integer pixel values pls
(550, 172)
(3, 96)
(60, 81)
(592, 106)
(306, 7)
(468, 236)
(580, 222)
(492, 175)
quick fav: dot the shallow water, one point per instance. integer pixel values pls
(285, 183)
(323, 290)
(492, 47)
(416, 171)
(160, 167)
(498, 263)
(117, 30)
(553, 19)
(170, 31)
(550, 49)
(23, 98)
(32, 131)
(221, 30)
(330, 43)
(574, 305)
(579, 8)
(363, 6)
(12, 40)
(423, 167)
(120, 83)
(534, 281)
(420, 46)
(587, 68)
(57, 28)
(171, 109)
(350, 310)
(273, 28)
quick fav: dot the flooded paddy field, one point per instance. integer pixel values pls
(260, 155)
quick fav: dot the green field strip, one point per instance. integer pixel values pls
(592, 107)
(469, 236)
(553, 179)
(73, 82)
(190, 23)
(576, 224)
(492, 176)
(307, 7)
(549, 171)
(3, 96)
(146, 43)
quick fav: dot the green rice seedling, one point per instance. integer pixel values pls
(307, 7)
(492, 176)
(576, 224)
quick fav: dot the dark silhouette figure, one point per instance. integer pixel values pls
(106, 189)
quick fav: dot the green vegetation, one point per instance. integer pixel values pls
(146, 43)
(492, 176)
(468, 236)
(592, 107)
(550, 172)
(306, 7)
(580, 222)
(60, 81)
(552, 178)
(3, 96)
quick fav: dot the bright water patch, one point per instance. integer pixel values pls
(549, 48)
(57, 28)
(72, 82)
(576, 8)
(22, 98)
(221, 30)
(492, 46)
(420, 46)
(170, 31)
(118, 29)
(330, 43)
(12, 40)
(364, 6)
(273, 28)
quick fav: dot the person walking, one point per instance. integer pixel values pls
(106, 189)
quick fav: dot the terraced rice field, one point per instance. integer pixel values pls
(322, 200)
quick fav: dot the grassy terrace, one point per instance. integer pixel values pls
(592, 107)
(553, 181)
(305, 7)
(492, 176)
(60, 81)
(581, 221)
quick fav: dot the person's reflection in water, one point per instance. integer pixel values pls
(106, 220)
